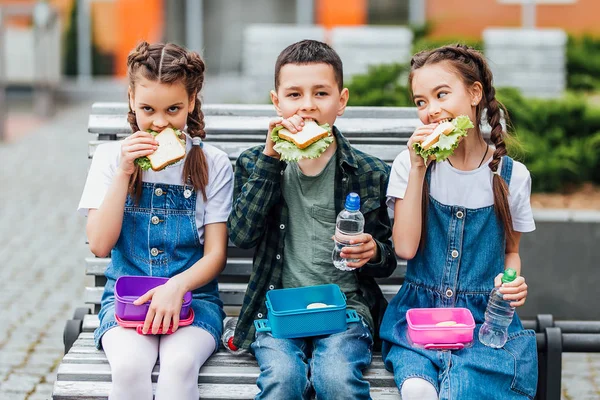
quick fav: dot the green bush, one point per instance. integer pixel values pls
(558, 140)
(583, 63)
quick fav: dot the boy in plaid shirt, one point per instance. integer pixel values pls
(288, 212)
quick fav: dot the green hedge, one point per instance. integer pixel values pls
(558, 140)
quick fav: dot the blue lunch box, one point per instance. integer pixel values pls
(288, 316)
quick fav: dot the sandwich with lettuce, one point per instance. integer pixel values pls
(310, 142)
(440, 143)
(171, 148)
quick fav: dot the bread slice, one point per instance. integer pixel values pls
(310, 133)
(445, 128)
(169, 151)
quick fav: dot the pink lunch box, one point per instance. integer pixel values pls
(440, 328)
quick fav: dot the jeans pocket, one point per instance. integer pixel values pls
(523, 348)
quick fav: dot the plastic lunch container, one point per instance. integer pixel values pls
(129, 288)
(440, 328)
(289, 317)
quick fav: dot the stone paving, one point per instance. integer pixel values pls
(42, 275)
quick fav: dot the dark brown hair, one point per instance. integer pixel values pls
(472, 67)
(170, 63)
(310, 52)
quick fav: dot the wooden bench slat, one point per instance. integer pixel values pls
(66, 390)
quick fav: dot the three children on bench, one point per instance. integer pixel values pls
(458, 223)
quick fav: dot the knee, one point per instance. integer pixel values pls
(127, 373)
(418, 388)
(340, 381)
(180, 367)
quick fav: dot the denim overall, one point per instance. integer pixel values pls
(456, 268)
(159, 237)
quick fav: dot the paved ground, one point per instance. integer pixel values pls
(42, 271)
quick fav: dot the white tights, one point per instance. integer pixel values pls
(132, 357)
(418, 389)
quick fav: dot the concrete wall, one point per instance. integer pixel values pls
(560, 262)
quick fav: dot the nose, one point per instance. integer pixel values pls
(308, 104)
(160, 121)
(433, 110)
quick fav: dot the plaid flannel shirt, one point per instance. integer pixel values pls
(259, 217)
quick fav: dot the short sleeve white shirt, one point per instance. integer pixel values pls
(219, 191)
(470, 189)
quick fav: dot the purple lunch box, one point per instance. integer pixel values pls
(130, 288)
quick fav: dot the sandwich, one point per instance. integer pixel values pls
(310, 142)
(170, 150)
(440, 143)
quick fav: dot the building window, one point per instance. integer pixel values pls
(387, 12)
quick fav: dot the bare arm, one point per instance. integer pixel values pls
(406, 233)
(517, 289)
(104, 224)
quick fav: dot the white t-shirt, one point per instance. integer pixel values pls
(470, 189)
(219, 191)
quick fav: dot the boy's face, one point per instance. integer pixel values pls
(310, 91)
(159, 105)
(440, 93)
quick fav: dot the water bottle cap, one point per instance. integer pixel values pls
(509, 275)
(230, 344)
(352, 202)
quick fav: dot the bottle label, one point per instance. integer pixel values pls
(343, 237)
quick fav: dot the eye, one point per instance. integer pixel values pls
(173, 109)
(442, 94)
(420, 103)
(322, 94)
(293, 94)
(147, 109)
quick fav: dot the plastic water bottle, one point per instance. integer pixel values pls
(350, 223)
(227, 338)
(498, 316)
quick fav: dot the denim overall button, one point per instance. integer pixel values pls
(158, 192)
(454, 253)
(449, 292)
(278, 257)
(155, 220)
(187, 193)
(154, 251)
(459, 214)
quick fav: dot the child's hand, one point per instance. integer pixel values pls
(293, 124)
(165, 307)
(140, 144)
(515, 290)
(416, 161)
(365, 251)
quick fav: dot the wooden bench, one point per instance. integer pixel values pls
(84, 372)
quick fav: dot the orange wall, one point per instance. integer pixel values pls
(470, 17)
(330, 13)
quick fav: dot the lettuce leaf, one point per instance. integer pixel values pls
(446, 145)
(289, 152)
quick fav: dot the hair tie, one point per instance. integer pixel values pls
(496, 172)
(197, 141)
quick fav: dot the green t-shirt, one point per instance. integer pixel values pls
(308, 245)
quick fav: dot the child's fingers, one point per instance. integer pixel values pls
(498, 280)
(166, 322)
(158, 319)
(145, 297)
(297, 121)
(175, 321)
(148, 321)
(287, 124)
(273, 122)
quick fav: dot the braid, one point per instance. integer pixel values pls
(196, 165)
(494, 112)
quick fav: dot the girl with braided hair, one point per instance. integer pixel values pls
(459, 224)
(169, 223)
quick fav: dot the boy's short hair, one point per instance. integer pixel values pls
(309, 52)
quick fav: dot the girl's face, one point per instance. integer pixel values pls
(440, 93)
(160, 105)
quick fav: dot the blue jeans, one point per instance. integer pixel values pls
(335, 363)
